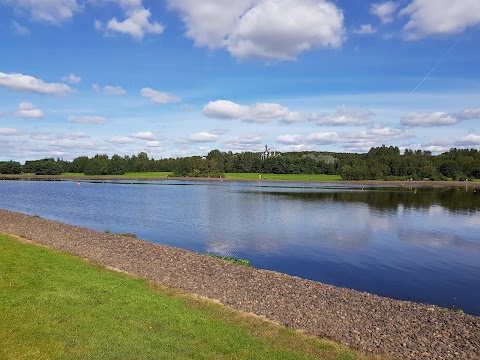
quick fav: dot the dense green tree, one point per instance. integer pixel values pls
(139, 162)
(98, 165)
(450, 169)
(47, 166)
(10, 167)
(116, 165)
(78, 164)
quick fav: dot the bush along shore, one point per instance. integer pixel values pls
(367, 322)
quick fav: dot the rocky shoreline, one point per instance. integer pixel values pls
(370, 323)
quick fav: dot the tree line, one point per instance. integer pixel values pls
(380, 163)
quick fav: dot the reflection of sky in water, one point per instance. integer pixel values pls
(418, 245)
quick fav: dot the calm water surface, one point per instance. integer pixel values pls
(419, 244)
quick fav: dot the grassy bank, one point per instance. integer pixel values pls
(131, 175)
(286, 177)
(164, 175)
(233, 176)
(54, 305)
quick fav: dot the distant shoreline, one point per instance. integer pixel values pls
(426, 183)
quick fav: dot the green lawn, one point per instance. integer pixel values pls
(73, 174)
(148, 174)
(56, 306)
(239, 176)
(128, 175)
(291, 177)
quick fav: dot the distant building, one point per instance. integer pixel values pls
(268, 153)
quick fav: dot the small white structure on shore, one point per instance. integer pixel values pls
(268, 153)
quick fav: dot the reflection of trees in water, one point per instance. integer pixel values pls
(453, 199)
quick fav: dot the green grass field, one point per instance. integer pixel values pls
(233, 176)
(56, 306)
(73, 174)
(290, 177)
(127, 175)
(148, 174)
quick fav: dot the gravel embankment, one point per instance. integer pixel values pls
(371, 323)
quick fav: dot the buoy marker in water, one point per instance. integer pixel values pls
(78, 184)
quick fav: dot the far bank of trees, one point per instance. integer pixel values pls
(380, 163)
(386, 163)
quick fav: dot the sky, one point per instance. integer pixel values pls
(177, 78)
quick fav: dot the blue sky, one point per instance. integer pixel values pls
(182, 77)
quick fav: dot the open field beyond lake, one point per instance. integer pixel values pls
(284, 177)
(371, 323)
(57, 306)
(321, 178)
(165, 175)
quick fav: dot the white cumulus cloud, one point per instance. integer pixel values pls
(89, 119)
(159, 97)
(27, 110)
(288, 139)
(344, 116)
(440, 145)
(385, 133)
(469, 140)
(272, 30)
(224, 109)
(114, 90)
(27, 83)
(429, 119)
(72, 79)
(201, 137)
(437, 17)
(210, 22)
(8, 131)
(251, 142)
(264, 112)
(282, 29)
(154, 143)
(258, 113)
(325, 137)
(384, 11)
(471, 114)
(136, 23)
(121, 140)
(109, 89)
(366, 29)
(439, 118)
(144, 135)
(358, 142)
(73, 135)
(267, 112)
(41, 136)
(53, 12)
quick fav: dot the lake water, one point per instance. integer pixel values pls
(419, 244)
